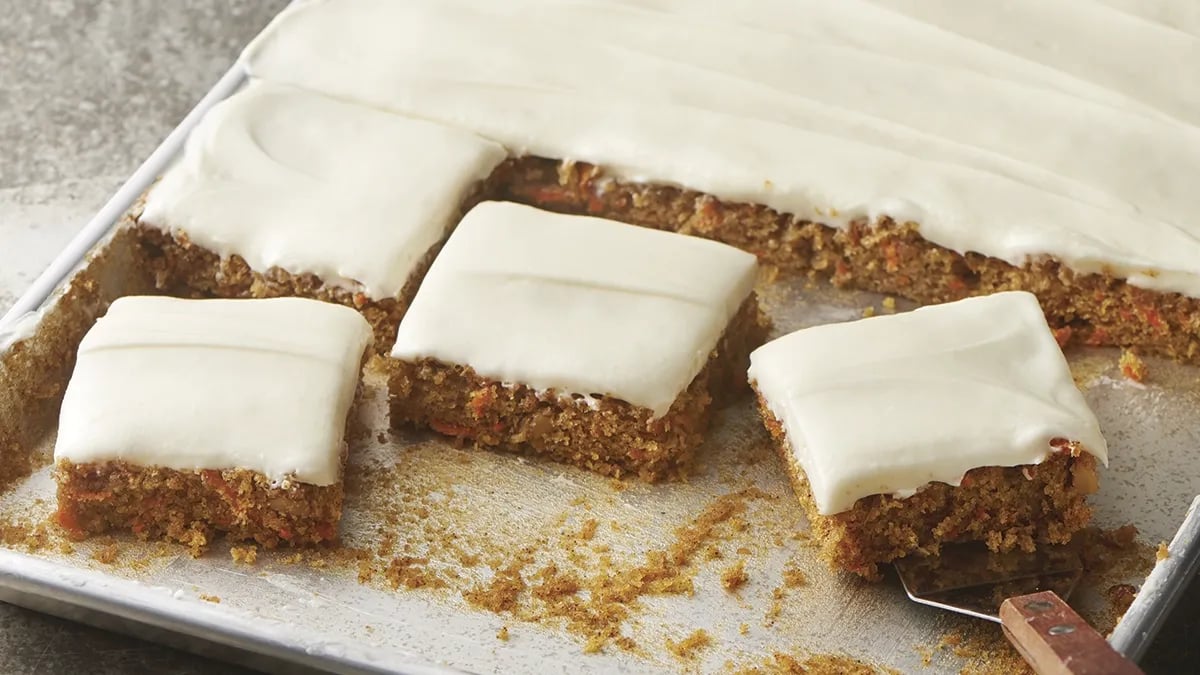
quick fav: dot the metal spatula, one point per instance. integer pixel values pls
(1023, 593)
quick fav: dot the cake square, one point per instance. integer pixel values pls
(284, 192)
(580, 339)
(955, 422)
(184, 418)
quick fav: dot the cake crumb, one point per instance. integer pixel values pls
(1163, 552)
(1132, 366)
(502, 634)
(1121, 596)
(734, 577)
(868, 311)
(502, 593)
(780, 663)
(245, 555)
(686, 649)
(106, 555)
(588, 530)
(411, 572)
(216, 600)
(793, 577)
(775, 608)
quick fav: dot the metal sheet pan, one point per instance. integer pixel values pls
(316, 612)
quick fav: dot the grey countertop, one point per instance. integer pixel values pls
(87, 90)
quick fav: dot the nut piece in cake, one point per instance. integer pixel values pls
(955, 422)
(579, 339)
(184, 418)
(283, 192)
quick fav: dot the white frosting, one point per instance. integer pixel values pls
(890, 404)
(288, 178)
(1069, 133)
(576, 304)
(264, 385)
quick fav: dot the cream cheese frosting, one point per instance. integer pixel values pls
(292, 179)
(576, 304)
(263, 385)
(889, 404)
(1013, 141)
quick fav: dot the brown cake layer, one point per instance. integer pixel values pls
(884, 256)
(187, 270)
(1009, 508)
(603, 434)
(191, 506)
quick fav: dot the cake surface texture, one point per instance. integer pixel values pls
(946, 152)
(594, 318)
(231, 412)
(881, 417)
(286, 192)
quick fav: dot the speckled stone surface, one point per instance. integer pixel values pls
(87, 90)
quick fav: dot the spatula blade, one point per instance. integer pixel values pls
(969, 579)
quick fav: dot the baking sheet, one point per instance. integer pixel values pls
(454, 517)
(457, 518)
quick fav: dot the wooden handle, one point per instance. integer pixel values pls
(1055, 641)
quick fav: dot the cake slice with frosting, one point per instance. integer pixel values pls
(187, 418)
(954, 422)
(582, 340)
(283, 192)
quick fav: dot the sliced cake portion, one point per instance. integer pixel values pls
(955, 422)
(282, 192)
(184, 418)
(580, 339)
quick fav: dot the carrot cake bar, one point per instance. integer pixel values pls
(920, 149)
(282, 192)
(188, 417)
(575, 338)
(955, 422)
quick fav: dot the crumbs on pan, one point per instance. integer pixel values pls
(245, 555)
(107, 554)
(781, 663)
(734, 577)
(688, 647)
(1132, 366)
